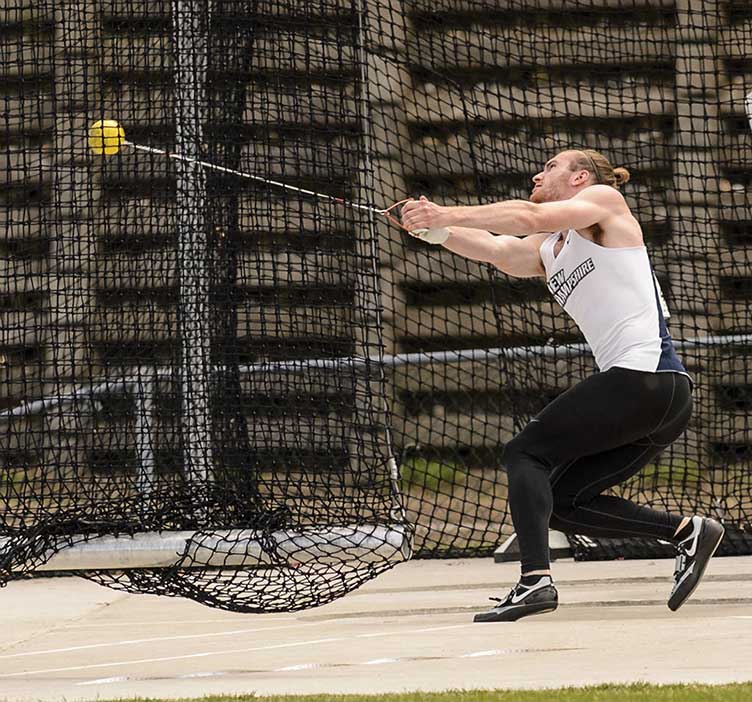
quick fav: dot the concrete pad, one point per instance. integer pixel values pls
(69, 639)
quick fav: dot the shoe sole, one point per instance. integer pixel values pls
(528, 612)
(701, 572)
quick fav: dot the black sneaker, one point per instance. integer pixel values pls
(694, 553)
(523, 601)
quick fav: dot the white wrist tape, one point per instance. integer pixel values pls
(432, 236)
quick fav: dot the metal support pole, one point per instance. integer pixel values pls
(191, 30)
(371, 404)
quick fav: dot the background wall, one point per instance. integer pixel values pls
(465, 100)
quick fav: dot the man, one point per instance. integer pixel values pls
(577, 231)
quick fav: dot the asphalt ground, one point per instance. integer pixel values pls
(69, 639)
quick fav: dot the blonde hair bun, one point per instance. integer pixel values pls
(621, 176)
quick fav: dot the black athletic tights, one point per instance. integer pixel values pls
(592, 437)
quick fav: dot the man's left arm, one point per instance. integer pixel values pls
(519, 217)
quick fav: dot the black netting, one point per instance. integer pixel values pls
(197, 366)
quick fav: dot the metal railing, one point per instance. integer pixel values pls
(143, 381)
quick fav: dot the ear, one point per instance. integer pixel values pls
(580, 177)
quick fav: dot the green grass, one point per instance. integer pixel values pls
(687, 471)
(639, 692)
(12, 478)
(430, 475)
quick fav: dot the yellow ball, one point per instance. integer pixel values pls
(106, 136)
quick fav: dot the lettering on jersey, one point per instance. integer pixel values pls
(562, 287)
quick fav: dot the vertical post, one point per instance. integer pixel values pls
(191, 30)
(69, 356)
(383, 36)
(371, 416)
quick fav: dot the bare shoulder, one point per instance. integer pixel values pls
(619, 228)
(605, 196)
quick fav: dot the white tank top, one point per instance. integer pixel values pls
(613, 296)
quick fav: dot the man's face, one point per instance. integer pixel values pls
(555, 181)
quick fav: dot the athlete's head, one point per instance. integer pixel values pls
(569, 172)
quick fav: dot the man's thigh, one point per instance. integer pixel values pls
(601, 413)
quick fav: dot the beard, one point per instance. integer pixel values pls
(546, 194)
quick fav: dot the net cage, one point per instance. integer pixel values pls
(227, 390)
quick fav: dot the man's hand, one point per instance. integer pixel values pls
(423, 214)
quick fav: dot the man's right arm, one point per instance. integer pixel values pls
(518, 257)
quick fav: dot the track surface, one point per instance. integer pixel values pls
(68, 639)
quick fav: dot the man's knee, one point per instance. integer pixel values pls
(519, 449)
(530, 446)
(515, 460)
(511, 454)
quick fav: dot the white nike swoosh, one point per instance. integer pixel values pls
(684, 577)
(695, 538)
(515, 599)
